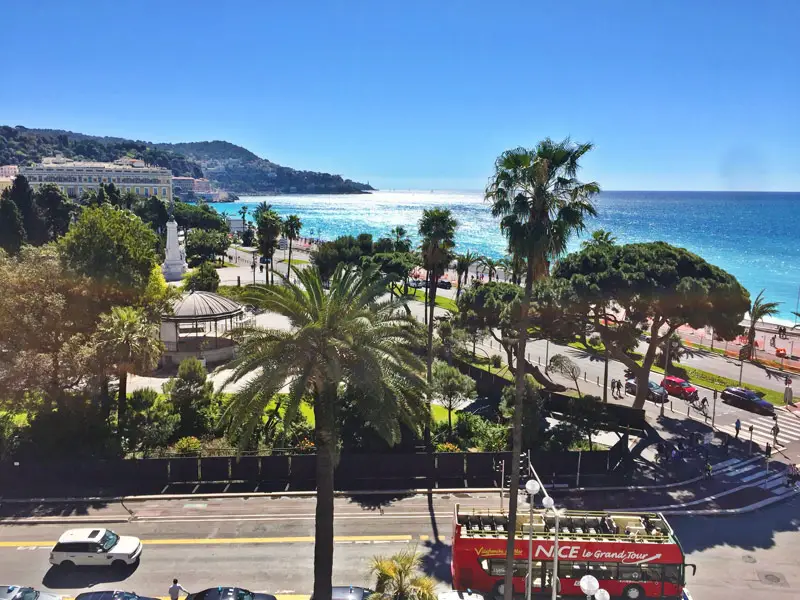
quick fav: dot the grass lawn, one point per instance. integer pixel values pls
(441, 301)
(692, 345)
(439, 414)
(295, 261)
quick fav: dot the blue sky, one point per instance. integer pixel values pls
(675, 95)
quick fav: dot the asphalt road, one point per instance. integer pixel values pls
(268, 546)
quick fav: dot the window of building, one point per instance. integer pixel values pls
(164, 192)
(155, 191)
(137, 191)
(146, 192)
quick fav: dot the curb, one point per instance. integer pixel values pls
(61, 520)
(721, 512)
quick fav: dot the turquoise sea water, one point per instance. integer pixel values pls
(752, 235)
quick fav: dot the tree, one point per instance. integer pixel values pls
(56, 210)
(152, 210)
(759, 309)
(533, 422)
(131, 344)
(384, 245)
(12, 232)
(202, 279)
(600, 238)
(268, 229)
(291, 229)
(567, 368)
(112, 246)
(540, 203)
(348, 338)
(21, 194)
(622, 291)
(248, 237)
(437, 228)
(402, 243)
(452, 388)
(397, 577)
(150, 422)
(463, 264)
(344, 249)
(191, 395)
(204, 246)
(492, 307)
(243, 212)
(489, 266)
(198, 216)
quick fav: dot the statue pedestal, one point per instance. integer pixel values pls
(175, 264)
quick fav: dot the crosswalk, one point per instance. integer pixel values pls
(753, 472)
(788, 429)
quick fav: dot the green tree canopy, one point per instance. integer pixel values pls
(492, 307)
(12, 231)
(113, 247)
(344, 249)
(451, 388)
(191, 394)
(199, 216)
(622, 290)
(205, 245)
(56, 210)
(22, 195)
(268, 231)
(202, 279)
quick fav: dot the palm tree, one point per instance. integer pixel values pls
(243, 211)
(489, 265)
(463, 264)
(348, 338)
(397, 577)
(402, 243)
(261, 209)
(268, 228)
(600, 238)
(291, 229)
(129, 342)
(541, 204)
(759, 309)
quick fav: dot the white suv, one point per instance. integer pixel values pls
(95, 547)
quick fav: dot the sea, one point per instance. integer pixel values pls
(753, 236)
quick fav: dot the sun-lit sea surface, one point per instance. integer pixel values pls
(752, 235)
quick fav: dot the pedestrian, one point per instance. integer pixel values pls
(175, 590)
(613, 388)
(709, 470)
(738, 427)
(775, 431)
(619, 388)
(787, 393)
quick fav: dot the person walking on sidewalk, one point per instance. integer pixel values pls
(175, 590)
(738, 427)
(709, 470)
(775, 431)
(613, 388)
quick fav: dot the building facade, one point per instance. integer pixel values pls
(5, 182)
(75, 178)
(9, 171)
(183, 185)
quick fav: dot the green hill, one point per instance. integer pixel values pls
(231, 167)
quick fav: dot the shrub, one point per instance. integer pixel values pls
(497, 362)
(189, 446)
(203, 279)
(150, 422)
(191, 394)
(447, 447)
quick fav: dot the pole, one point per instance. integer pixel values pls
(666, 362)
(797, 305)
(750, 448)
(530, 548)
(546, 354)
(554, 581)
(605, 378)
(714, 410)
(712, 338)
(741, 368)
(502, 481)
(578, 474)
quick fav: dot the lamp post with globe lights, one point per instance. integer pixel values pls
(591, 587)
(550, 504)
(532, 487)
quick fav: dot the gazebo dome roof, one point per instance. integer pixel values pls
(203, 306)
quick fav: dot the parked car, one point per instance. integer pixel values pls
(445, 284)
(95, 547)
(416, 283)
(681, 388)
(229, 593)
(747, 399)
(111, 595)
(349, 592)
(655, 394)
(19, 592)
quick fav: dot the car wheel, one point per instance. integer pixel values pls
(119, 564)
(633, 592)
(67, 564)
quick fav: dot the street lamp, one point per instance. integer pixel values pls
(550, 504)
(591, 587)
(532, 487)
(602, 595)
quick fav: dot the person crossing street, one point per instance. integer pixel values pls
(738, 427)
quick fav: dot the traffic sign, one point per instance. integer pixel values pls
(744, 352)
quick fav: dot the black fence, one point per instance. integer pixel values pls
(355, 472)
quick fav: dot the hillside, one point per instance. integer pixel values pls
(230, 167)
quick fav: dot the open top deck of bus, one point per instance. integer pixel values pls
(575, 525)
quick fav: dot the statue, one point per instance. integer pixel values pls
(175, 263)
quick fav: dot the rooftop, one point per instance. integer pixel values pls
(127, 164)
(81, 535)
(203, 306)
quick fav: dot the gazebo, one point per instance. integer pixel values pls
(197, 326)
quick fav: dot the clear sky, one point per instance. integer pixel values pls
(695, 94)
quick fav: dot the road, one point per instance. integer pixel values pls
(267, 545)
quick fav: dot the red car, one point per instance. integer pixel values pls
(681, 388)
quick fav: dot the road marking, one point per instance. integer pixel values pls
(229, 541)
(278, 596)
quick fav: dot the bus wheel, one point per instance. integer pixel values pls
(498, 590)
(633, 592)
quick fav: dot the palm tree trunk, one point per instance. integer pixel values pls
(516, 443)
(289, 266)
(323, 533)
(427, 285)
(122, 399)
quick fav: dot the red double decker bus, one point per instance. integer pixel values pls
(632, 555)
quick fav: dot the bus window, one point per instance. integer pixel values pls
(630, 573)
(497, 568)
(672, 574)
(603, 571)
(571, 570)
(651, 572)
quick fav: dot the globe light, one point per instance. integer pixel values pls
(601, 594)
(589, 585)
(548, 502)
(532, 487)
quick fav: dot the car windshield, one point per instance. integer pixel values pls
(109, 540)
(244, 595)
(685, 384)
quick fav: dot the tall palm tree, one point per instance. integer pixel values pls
(437, 228)
(599, 239)
(398, 577)
(243, 211)
(402, 243)
(261, 209)
(348, 338)
(541, 204)
(489, 265)
(268, 228)
(759, 309)
(291, 229)
(130, 343)
(463, 264)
